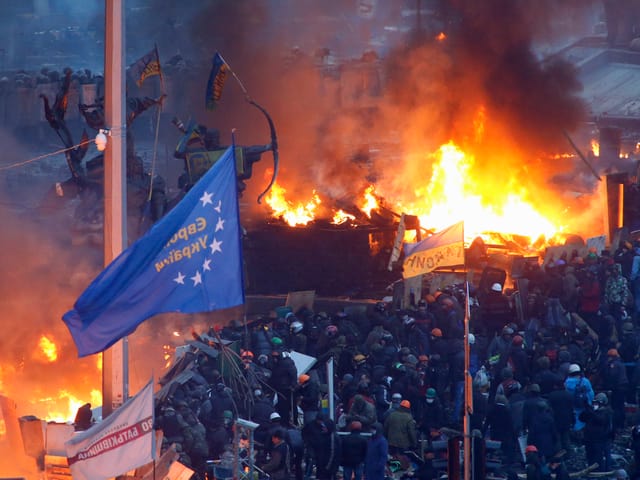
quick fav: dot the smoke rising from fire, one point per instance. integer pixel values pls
(482, 86)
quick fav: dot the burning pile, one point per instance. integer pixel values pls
(450, 195)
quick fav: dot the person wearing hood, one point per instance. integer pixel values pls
(377, 453)
(362, 411)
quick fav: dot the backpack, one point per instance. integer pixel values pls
(580, 398)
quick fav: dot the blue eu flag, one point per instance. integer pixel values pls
(188, 262)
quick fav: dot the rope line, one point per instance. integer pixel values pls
(57, 152)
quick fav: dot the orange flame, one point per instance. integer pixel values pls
(452, 195)
(595, 148)
(341, 217)
(99, 361)
(64, 406)
(369, 201)
(167, 355)
(48, 348)
(441, 36)
(299, 214)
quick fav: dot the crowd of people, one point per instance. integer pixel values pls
(555, 376)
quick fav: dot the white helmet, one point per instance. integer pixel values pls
(496, 287)
(471, 338)
(296, 327)
(574, 368)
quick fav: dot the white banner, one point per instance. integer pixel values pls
(123, 441)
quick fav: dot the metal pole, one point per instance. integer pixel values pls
(115, 381)
(330, 388)
(468, 398)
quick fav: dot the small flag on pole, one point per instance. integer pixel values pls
(188, 262)
(145, 67)
(217, 77)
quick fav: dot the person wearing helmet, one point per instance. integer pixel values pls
(297, 338)
(308, 396)
(495, 310)
(400, 429)
(500, 346)
(581, 391)
(615, 379)
(598, 432)
(353, 452)
(431, 417)
(533, 463)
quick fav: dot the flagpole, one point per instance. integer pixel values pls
(158, 115)
(244, 90)
(115, 381)
(468, 399)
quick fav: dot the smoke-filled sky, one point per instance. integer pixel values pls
(485, 87)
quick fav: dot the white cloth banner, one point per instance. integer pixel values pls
(123, 441)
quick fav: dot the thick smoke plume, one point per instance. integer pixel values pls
(483, 86)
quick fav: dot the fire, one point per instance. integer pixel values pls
(168, 354)
(595, 148)
(298, 214)
(64, 406)
(48, 348)
(369, 201)
(449, 196)
(99, 361)
(341, 217)
(452, 195)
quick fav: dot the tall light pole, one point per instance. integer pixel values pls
(115, 381)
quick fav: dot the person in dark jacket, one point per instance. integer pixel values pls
(615, 379)
(323, 445)
(500, 428)
(278, 466)
(542, 430)
(534, 464)
(284, 379)
(308, 395)
(545, 377)
(377, 453)
(353, 452)
(598, 432)
(495, 310)
(558, 467)
(431, 415)
(561, 402)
